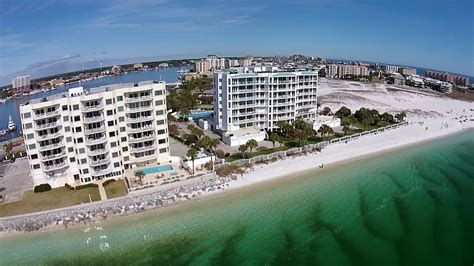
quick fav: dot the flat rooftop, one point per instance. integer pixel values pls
(243, 132)
(91, 91)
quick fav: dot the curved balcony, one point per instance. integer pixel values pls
(51, 146)
(92, 108)
(50, 136)
(139, 119)
(47, 114)
(96, 141)
(55, 167)
(138, 99)
(48, 125)
(97, 152)
(53, 156)
(93, 119)
(99, 162)
(143, 158)
(141, 139)
(94, 130)
(143, 148)
(140, 129)
(140, 109)
(102, 171)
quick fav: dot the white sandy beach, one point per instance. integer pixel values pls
(427, 112)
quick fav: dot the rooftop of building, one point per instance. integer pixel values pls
(91, 91)
(253, 71)
(241, 132)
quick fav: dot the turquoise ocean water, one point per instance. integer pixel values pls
(414, 206)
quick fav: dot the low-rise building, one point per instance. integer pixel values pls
(331, 121)
(85, 135)
(203, 157)
(341, 71)
(455, 79)
(407, 71)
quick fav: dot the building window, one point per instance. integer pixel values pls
(158, 103)
(78, 129)
(36, 166)
(112, 134)
(65, 118)
(161, 131)
(72, 159)
(69, 139)
(161, 141)
(27, 115)
(120, 108)
(108, 101)
(28, 126)
(70, 149)
(109, 112)
(126, 158)
(114, 154)
(119, 98)
(64, 107)
(81, 150)
(86, 171)
(77, 118)
(125, 149)
(80, 140)
(67, 129)
(163, 150)
(110, 123)
(83, 161)
(30, 136)
(113, 144)
(122, 129)
(76, 177)
(75, 107)
(117, 164)
(34, 156)
(31, 146)
(123, 139)
(158, 92)
(159, 112)
(160, 122)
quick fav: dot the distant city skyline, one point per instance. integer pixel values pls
(41, 38)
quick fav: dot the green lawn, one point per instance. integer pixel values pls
(56, 198)
(116, 189)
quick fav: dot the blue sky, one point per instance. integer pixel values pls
(43, 36)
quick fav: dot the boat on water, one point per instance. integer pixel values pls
(11, 124)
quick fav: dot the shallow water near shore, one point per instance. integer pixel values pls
(414, 206)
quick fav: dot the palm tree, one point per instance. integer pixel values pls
(274, 138)
(212, 144)
(243, 148)
(140, 174)
(195, 131)
(345, 129)
(252, 144)
(306, 133)
(184, 112)
(192, 153)
(284, 127)
(300, 123)
(325, 129)
(8, 147)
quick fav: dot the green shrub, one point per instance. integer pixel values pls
(108, 182)
(87, 185)
(42, 188)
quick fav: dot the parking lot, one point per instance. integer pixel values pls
(14, 179)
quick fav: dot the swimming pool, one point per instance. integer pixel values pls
(200, 115)
(157, 169)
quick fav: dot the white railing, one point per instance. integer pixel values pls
(139, 119)
(95, 141)
(54, 156)
(143, 148)
(141, 139)
(90, 108)
(51, 146)
(97, 152)
(139, 129)
(137, 99)
(55, 166)
(47, 114)
(50, 136)
(94, 130)
(99, 162)
(93, 119)
(47, 125)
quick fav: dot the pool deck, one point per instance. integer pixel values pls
(160, 178)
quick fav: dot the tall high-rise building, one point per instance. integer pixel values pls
(21, 84)
(85, 135)
(211, 63)
(260, 96)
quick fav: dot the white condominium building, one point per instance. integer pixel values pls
(85, 135)
(390, 69)
(212, 62)
(340, 70)
(260, 96)
(21, 84)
